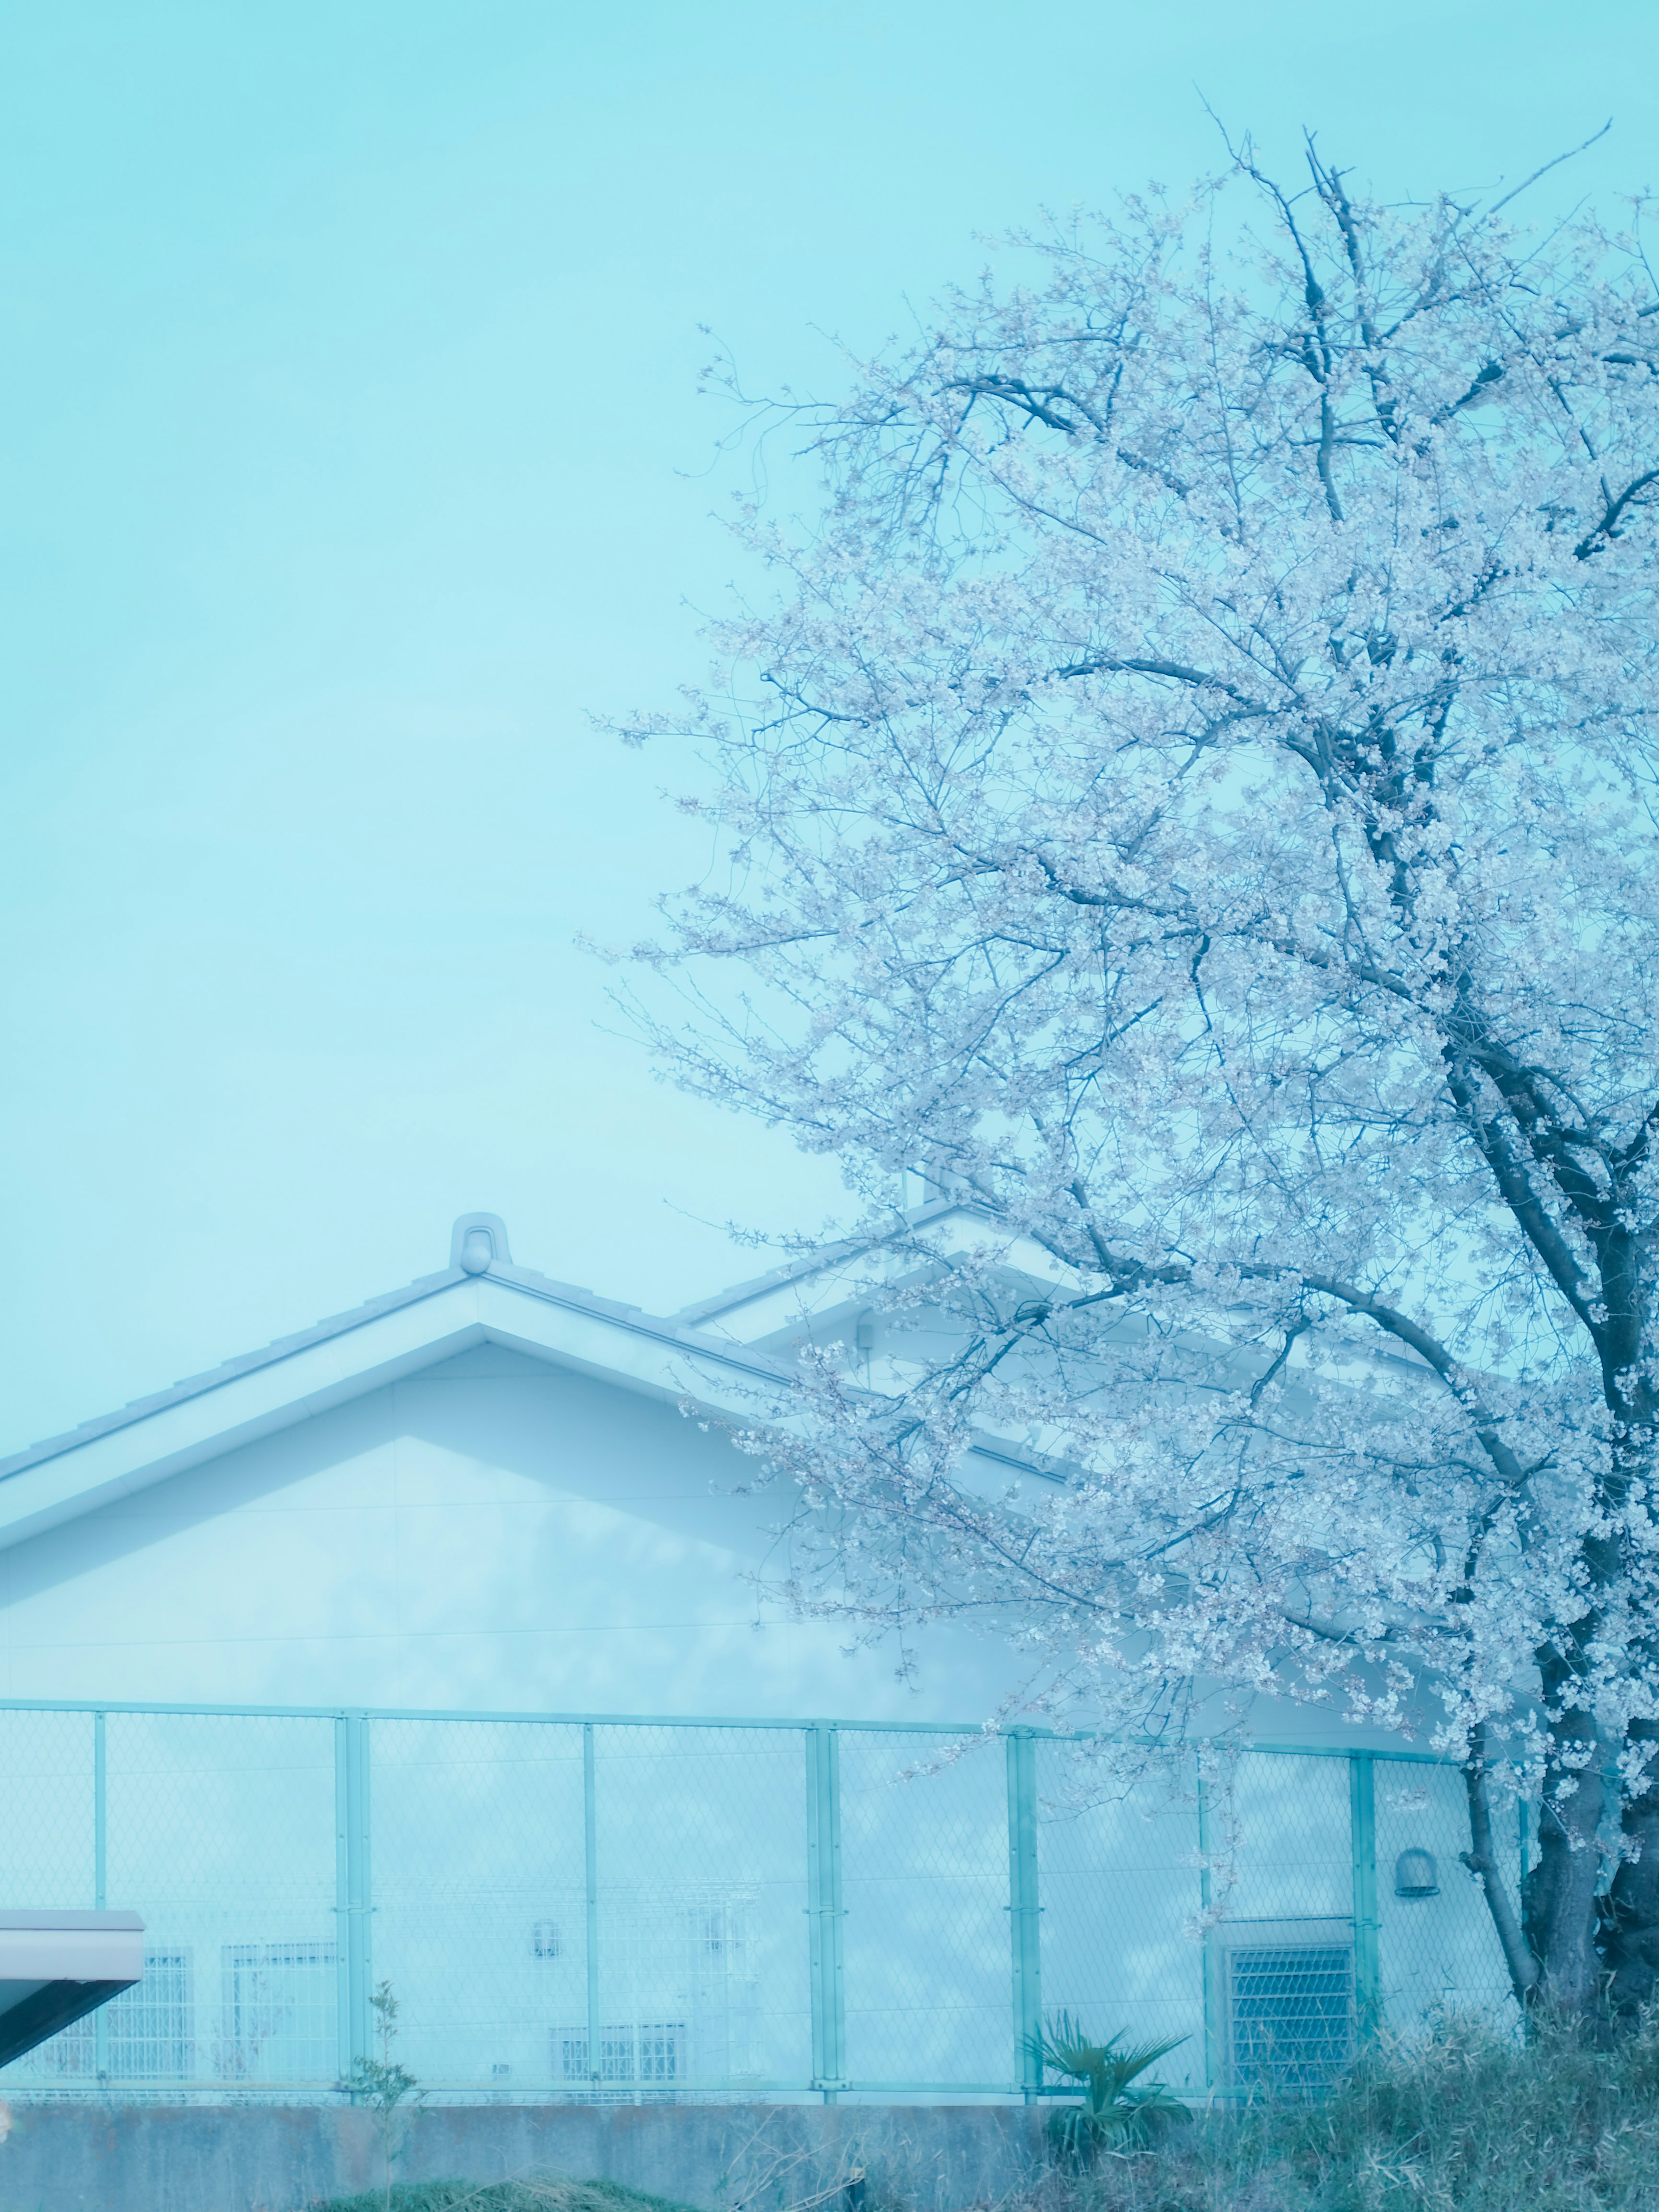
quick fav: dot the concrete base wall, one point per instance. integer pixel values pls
(727, 2158)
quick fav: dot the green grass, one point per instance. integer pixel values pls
(546, 2194)
(1467, 2122)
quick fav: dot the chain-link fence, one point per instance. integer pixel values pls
(609, 1909)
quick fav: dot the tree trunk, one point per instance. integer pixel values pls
(1630, 1927)
(1481, 1862)
(1631, 1934)
(1560, 1911)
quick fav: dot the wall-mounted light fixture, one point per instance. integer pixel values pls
(1416, 1875)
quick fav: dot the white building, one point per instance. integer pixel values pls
(479, 1493)
(484, 1495)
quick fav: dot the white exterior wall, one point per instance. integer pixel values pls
(495, 1533)
(478, 1497)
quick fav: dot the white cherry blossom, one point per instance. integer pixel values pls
(1193, 789)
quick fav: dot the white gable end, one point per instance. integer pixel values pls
(297, 1381)
(482, 1495)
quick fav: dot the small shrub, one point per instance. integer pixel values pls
(1113, 2111)
(389, 2089)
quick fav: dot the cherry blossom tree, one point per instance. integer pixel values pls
(1192, 786)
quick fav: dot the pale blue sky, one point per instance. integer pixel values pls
(353, 455)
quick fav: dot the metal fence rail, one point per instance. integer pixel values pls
(603, 1909)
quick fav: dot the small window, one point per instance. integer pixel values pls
(708, 1927)
(279, 2013)
(615, 2054)
(652, 2051)
(70, 2053)
(1291, 2014)
(150, 2028)
(659, 2049)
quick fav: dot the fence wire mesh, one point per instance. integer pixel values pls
(478, 1925)
(612, 1910)
(926, 1906)
(1436, 1951)
(1121, 1887)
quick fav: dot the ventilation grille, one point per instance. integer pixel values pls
(1292, 2014)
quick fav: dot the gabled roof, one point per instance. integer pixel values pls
(835, 1279)
(723, 1355)
(481, 1297)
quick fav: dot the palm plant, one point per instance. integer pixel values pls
(1113, 2110)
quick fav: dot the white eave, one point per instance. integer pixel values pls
(840, 1277)
(480, 1298)
(300, 1376)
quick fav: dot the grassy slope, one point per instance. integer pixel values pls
(1469, 2123)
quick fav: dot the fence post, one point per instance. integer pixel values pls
(1214, 2040)
(826, 1959)
(100, 1879)
(353, 1903)
(1362, 1830)
(591, 1866)
(1024, 1911)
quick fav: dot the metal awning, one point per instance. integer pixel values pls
(57, 1966)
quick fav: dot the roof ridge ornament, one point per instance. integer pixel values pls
(477, 1242)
